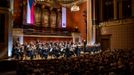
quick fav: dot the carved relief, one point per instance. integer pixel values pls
(45, 18)
(37, 16)
(53, 19)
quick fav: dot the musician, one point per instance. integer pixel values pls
(13, 51)
(45, 51)
(34, 50)
(62, 50)
(22, 51)
(57, 52)
(17, 51)
(72, 50)
(67, 52)
(78, 49)
(39, 49)
(85, 44)
(30, 51)
(25, 46)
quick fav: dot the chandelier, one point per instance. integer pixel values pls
(75, 7)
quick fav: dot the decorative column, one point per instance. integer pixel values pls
(41, 24)
(94, 21)
(101, 10)
(49, 19)
(59, 19)
(43, 12)
(115, 9)
(99, 17)
(10, 39)
(89, 22)
(120, 9)
(56, 26)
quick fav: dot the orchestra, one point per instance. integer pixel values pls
(43, 49)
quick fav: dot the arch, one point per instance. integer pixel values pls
(37, 15)
(53, 19)
(45, 17)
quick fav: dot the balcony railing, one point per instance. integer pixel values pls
(35, 30)
(117, 22)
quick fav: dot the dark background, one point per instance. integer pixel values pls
(2, 27)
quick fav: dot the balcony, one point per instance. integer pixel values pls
(35, 30)
(117, 22)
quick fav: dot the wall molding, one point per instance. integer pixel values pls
(127, 21)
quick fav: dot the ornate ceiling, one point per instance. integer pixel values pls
(61, 1)
(65, 3)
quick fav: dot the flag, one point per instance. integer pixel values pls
(30, 11)
(63, 17)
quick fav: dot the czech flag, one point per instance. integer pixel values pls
(30, 11)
